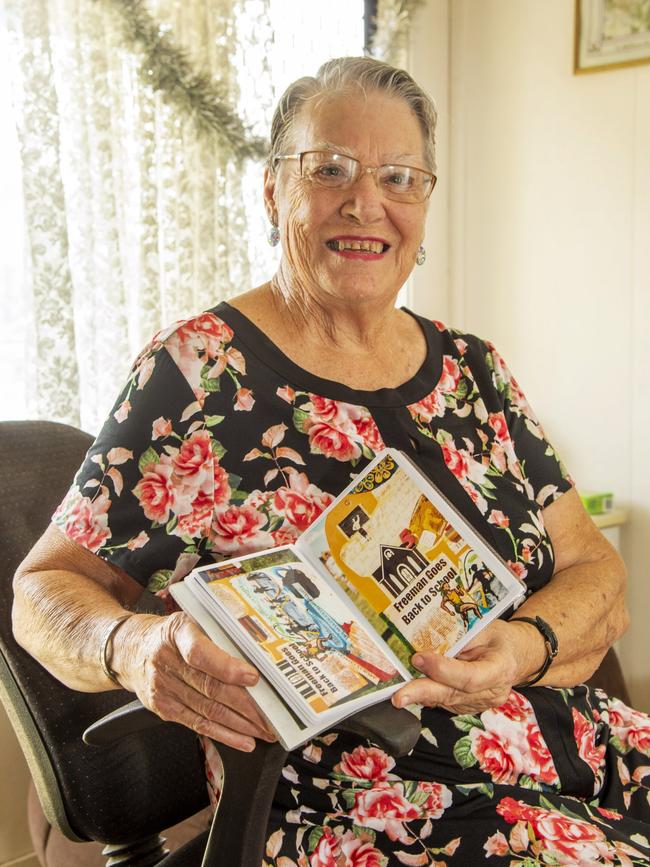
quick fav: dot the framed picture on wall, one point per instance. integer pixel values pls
(611, 33)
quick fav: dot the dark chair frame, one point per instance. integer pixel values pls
(140, 775)
(85, 793)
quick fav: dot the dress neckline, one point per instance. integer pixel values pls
(409, 392)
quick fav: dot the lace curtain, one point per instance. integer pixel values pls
(134, 218)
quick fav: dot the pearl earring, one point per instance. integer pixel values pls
(421, 256)
(273, 236)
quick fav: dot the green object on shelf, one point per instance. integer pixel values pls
(597, 503)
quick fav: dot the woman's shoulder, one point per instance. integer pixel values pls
(455, 340)
(202, 327)
(195, 344)
(476, 354)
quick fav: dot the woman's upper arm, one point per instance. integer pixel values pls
(55, 552)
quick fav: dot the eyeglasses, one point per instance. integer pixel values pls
(339, 172)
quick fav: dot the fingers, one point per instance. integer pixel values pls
(479, 678)
(170, 708)
(205, 694)
(201, 653)
(466, 675)
(215, 719)
(188, 679)
(430, 694)
(217, 678)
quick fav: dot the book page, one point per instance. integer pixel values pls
(417, 571)
(303, 634)
(290, 730)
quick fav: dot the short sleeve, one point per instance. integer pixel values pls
(143, 497)
(541, 466)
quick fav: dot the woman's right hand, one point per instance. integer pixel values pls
(180, 674)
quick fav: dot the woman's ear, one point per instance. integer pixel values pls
(269, 196)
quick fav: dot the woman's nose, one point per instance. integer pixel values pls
(363, 199)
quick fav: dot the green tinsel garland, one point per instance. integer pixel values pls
(168, 69)
(392, 25)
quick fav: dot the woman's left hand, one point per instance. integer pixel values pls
(584, 602)
(480, 677)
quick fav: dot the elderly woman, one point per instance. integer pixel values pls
(236, 429)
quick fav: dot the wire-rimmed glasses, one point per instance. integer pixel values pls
(334, 171)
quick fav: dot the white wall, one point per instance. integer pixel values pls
(15, 844)
(548, 243)
(429, 64)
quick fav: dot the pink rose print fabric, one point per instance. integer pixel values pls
(557, 837)
(219, 445)
(506, 743)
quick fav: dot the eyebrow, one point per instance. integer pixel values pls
(324, 145)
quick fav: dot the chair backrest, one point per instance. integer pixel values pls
(116, 793)
(610, 678)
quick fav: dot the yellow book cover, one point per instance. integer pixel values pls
(409, 561)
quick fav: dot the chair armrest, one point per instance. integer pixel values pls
(395, 730)
(120, 723)
(251, 778)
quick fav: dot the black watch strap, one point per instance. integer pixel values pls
(550, 640)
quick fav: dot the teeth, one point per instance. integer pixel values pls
(365, 246)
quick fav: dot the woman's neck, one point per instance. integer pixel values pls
(348, 327)
(371, 348)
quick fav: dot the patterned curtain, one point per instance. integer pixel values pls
(134, 216)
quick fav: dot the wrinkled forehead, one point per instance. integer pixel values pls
(373, 126)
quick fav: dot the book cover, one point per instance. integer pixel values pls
(412, 565)
(389, 568)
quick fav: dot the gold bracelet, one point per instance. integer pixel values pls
(106, 649)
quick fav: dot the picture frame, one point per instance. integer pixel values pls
(611, 34)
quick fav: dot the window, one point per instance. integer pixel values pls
(14, 321)
(303, 36)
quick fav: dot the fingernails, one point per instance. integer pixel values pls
(250, 677)
(248, 745)
(417, 660)
(402, 700)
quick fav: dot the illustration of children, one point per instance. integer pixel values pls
(457, 600)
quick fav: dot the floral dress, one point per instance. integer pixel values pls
(220, 445)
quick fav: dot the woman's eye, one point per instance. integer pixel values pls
(399, 179)
(330, 170)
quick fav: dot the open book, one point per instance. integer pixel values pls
(331, 622)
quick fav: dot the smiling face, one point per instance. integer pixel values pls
(350, 245)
